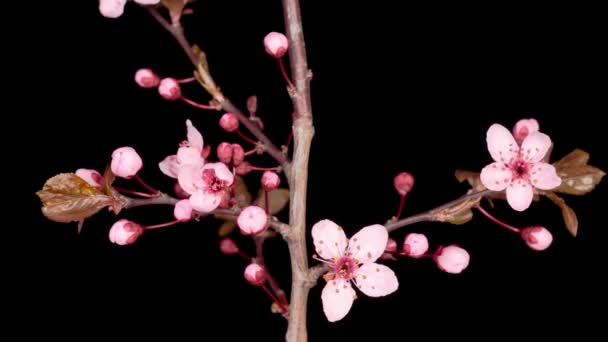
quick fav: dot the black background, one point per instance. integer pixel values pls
(395, 87)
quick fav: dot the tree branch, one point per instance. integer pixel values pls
(178, 33)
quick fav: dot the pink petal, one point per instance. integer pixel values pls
(195, 138)
(337, 297)
(519, 195)
(147, 2)
(169, 166)
(376, 280)
(329, 239)
(544, 176)
(501, 144)
(535, 146)
(190, 178)
(205, 202)
(496, 176)
(189, 155)
(112, 8)
(221, 171)
(369, 243)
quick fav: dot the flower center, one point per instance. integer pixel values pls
(520, 168)
(213, 183)
(345, 267)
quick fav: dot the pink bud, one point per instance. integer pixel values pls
(169, 89)
(238, 154)
(112, 8)
(404, 182)
(270, 180)
(524, 127)
(125, 162)
(229, 122)
(228, 246)
(255, 274)
(125, 232)
(224, 152)
(243, 168)
(391, 246)
(252, 220)
(206, 151)
(415, 245)
(94, 178)
(146, 78)
(276, 44)
(538, 238)
(452, 259)
(183, 210)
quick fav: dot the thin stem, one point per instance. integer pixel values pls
(274, 299)
(145, 185)
(267, 202)
(196, 104)
(259, 259)
(246, 138)
(162, 225)
(133, 192)
(401, 202)
(243, 256)
(497, 221)
(187, 80)
(255, 168)
(284, 72)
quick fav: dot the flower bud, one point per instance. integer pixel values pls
(538, 238)
(125, 232)
(92, 177)
(415, 245)
(524, 127)
(228, 246)
(243, 168)
(125, 162)
(270, 180)
(238, 154)
(169, 89)
(276, 44)
(229, 122)
(224, 152)
(183, 210)
(452, 259)
(252, 220)
(146, 78)
(404, 182)
(255, 274)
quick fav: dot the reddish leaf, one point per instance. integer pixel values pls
(578, 178)
(568, 214)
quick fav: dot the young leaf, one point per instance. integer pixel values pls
(568, 214)
(578, 178)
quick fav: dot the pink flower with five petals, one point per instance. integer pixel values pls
(351, 261)
(518, 169)
(189, 153)
(206, 184)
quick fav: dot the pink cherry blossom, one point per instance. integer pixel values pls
(190, 153)
(276, 44)
(518, 169)
(415, 245)
(403, 182)
(183, 210)
(538, 238)
(206, 184)
(452, 259)
(255, 274)
(125, 232)
(351, 261)
(92, 177)
(229, 122)
(252, 220)
(146, 78)
(270, 180)
(125, 162)
(523, 128)
(169, 89)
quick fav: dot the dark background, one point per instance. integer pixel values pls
(396, 87)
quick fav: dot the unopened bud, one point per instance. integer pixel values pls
(391, 247)
(538, 238)
(183, 210)
(125, 162)
(125, 232)
(169, 89)
(252, 220)
(523, 128)
(452, 259)
(415, 245)
(238, 154)
(92, 177)
(224, 152)
(243, 168)
(276, 44)
(229, 122)
(228, 246)
(255, 274)
(270, 180)
(404, 182)
(146, 78)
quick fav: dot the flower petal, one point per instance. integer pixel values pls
(369, 243)
(221, 171)
(376, 280)
(195, 138)
(189, 155)
(544, 176)
(329, 239)
(496, 176)
(519, 195)
(337, 297)
(501, 144)
(190, 178)
(204, 201)
(535, 146)
(169, 166)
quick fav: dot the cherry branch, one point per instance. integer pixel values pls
(177, 32)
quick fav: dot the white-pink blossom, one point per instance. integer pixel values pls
(206, 184)
(351, 261)
(518, 169)
(189, 153)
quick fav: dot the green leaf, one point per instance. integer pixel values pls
(578, 178)
(568, 214)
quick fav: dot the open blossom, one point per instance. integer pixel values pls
(351, 261)
(189, 153)
(518, 169)
(115, 8)
(206, 184)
